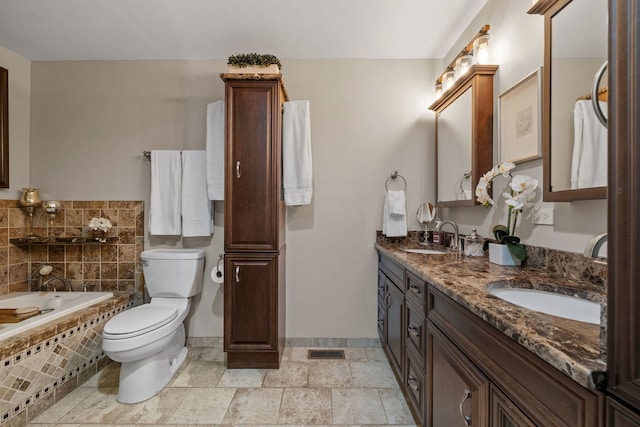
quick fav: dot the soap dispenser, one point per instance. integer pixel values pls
(473, 245)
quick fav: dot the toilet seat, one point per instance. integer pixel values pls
(139, 320)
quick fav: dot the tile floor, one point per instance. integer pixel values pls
(358, 390)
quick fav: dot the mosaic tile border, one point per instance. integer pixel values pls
(91, 363)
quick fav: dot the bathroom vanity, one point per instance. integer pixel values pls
(464, 357)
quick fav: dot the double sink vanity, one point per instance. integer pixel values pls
(464, 355)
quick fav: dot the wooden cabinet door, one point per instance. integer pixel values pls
(457, 390)
(395, 326)
(504, 413)
(253, 167)
(250, 302)
(619, 415)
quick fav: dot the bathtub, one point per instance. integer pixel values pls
(57, 304)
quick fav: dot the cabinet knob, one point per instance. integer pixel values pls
(465, 397)
(238, 169)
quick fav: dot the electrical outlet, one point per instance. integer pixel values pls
(543, 215)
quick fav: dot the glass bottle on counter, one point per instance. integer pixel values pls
(473, 245)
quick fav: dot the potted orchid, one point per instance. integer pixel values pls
(521, 190)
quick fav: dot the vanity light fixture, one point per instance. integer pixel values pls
(475, 52)
(448, 78)
(438, 89)
(481, 49)
(463, 64)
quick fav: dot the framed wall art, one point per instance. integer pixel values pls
(519, 114)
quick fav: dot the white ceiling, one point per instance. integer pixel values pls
(216, 29)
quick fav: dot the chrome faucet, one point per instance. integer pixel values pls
(454, 242)
(594, 245)
(65, 282)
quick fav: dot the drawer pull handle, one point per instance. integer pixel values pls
(467, 419)
(386, 299)
(413, 330)
(415, 289)
(237, 274)
(413, 383)
(238, 169)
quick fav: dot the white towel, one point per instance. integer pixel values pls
(197, 209)
(166, 185)
(297, 165)
(396, 201)
(215, 150)
(589, 163)
(393, 225)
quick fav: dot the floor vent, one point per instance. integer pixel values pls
(325, 354)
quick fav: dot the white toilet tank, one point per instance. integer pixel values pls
(173, 273)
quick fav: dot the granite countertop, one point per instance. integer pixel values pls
(572, 347)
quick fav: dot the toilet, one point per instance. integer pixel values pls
(149, 340)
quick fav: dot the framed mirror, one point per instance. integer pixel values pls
(574, 139)
(4, 128)
(464, 136)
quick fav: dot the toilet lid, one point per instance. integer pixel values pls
(139, 320)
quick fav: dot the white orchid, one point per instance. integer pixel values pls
(522, 189)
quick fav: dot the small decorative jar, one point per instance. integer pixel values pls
(473, 245)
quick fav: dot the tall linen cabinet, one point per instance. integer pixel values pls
(254, 218)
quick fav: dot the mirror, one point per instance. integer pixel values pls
(575, 141)
(4, 128)
(454, 150)
(464, 136)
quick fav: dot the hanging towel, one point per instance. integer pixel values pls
(297, 165)
(166, 185)
(393, 225)
(197, 209)
(589, 162)
(215, 150)
(397, 204)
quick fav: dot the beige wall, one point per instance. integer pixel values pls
(19, 105)
(92, 120)
(517, 46)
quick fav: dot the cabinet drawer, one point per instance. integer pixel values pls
(415, 333)
(414, 385)
(416, 291)
(393, 270)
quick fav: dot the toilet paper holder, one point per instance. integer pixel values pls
(218, 271)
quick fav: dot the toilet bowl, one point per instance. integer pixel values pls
(149, 340)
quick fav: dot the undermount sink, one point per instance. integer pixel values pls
(548, 302)
(425, 251)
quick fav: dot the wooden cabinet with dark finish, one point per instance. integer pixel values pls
(623, 358)
(395, 326)
(458, 393)
(254, 232)
(538, 392)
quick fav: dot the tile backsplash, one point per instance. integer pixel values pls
(110, 266)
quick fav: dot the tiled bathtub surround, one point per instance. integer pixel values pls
(102, 267)
(44, 364)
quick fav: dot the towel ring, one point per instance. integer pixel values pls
(392, 178)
